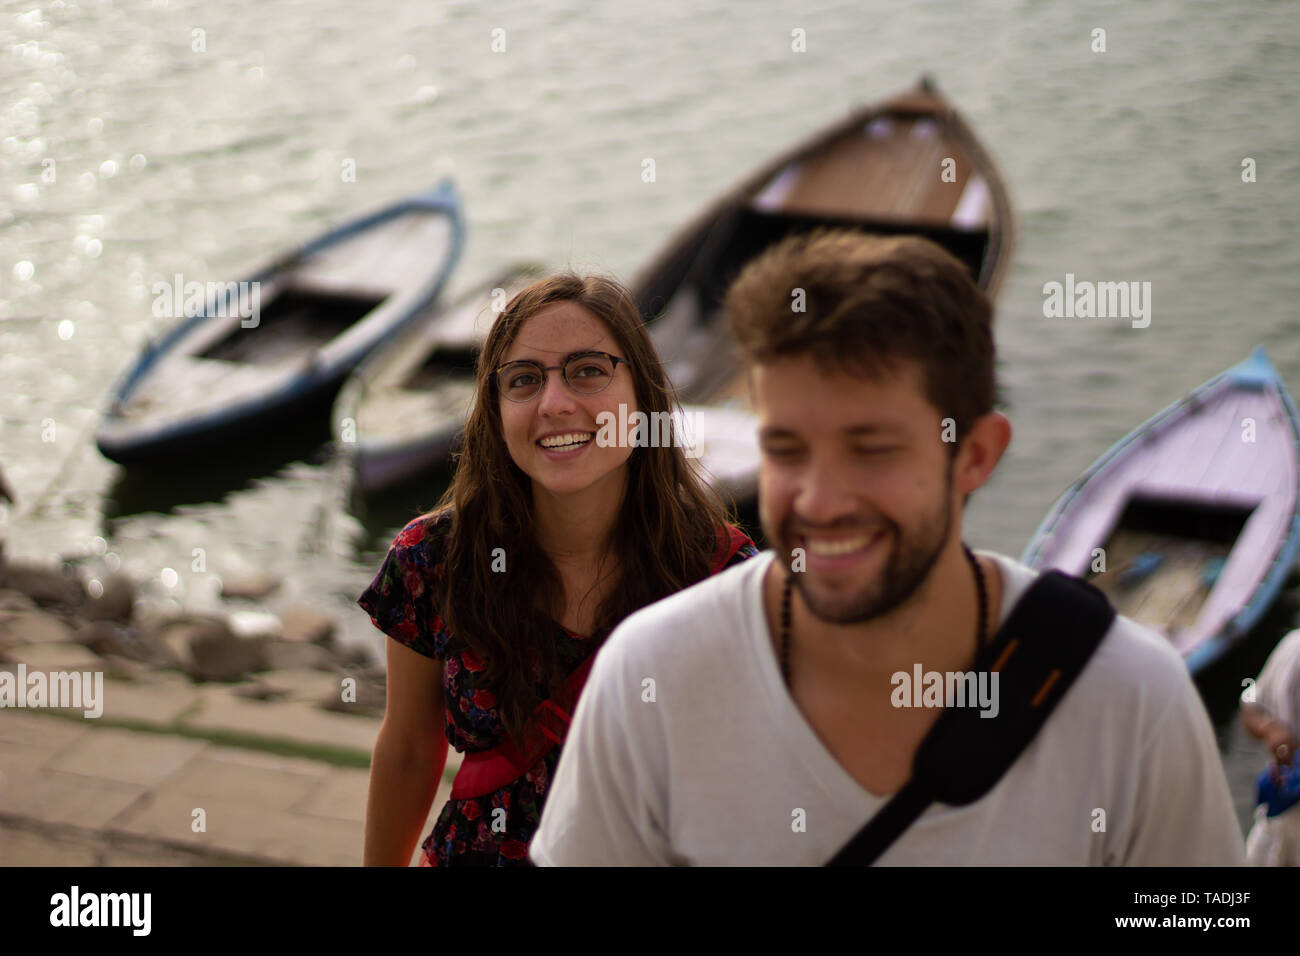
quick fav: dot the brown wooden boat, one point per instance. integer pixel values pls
(880, 171)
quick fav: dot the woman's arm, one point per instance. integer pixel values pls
(408, 759)
(1260, 724)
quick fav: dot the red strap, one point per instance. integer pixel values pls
(487, 771)
(728, 544)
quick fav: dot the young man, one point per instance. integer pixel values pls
(871, 368)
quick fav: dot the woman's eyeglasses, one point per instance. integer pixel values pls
(584, 372)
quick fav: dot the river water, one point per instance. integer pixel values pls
(143, 139)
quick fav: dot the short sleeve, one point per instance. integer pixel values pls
(400, 598)
(1277, 690)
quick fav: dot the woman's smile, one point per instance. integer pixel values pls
(563, 446)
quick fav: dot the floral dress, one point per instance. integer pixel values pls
(399, 602)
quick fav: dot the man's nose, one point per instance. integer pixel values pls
(826, 493)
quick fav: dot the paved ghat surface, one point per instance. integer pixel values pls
(80, 792)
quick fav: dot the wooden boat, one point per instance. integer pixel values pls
(273, 349)
(1191, 522)
(877, 171)
(399, 413)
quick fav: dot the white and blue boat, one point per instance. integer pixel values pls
(401, 410)
(1190, 523)
(272, 350)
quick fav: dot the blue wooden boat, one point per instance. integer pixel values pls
(272, 350)
(1191, 522)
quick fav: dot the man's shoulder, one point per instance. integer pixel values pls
(1135, 659)
(1132, 659)
(692, 617)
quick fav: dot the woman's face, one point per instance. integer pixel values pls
(552, 436)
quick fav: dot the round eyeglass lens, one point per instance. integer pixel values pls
(589, 373)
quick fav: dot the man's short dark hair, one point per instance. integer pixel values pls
(869, 301)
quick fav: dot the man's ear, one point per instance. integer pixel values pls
(980, 451)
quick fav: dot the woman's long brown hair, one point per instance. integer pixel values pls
(666, 532)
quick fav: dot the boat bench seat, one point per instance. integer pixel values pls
(327, 284)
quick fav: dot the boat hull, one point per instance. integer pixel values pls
(204, 385)
(877, 171)
(401, 411)
(1215, 475)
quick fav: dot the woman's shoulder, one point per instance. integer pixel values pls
(424, 538)
(400, 599)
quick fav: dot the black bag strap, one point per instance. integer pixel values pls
(1046, 642)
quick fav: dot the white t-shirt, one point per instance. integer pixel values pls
(722, 767)
(1278, 688)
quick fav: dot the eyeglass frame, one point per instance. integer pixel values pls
(496, 372)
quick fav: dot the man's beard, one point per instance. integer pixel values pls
(909, 565)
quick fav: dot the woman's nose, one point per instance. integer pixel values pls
(555, 397)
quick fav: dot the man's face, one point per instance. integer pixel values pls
(855, 473)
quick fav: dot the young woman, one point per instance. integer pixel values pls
(554, 528)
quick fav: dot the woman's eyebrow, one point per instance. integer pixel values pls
(563, 359)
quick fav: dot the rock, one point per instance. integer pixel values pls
(307, 625)
(125, 669)
(106, 639)
(254, 624)
(354, 657)
(15, 601)
(33, 627)
(151, 648)
(282, 656)
(48, 587)
(369, 672)
(111, 639)
(225, 657)
(250, 587)
(258, 690)
(54, 657)
(117, 603)
(209, 651)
